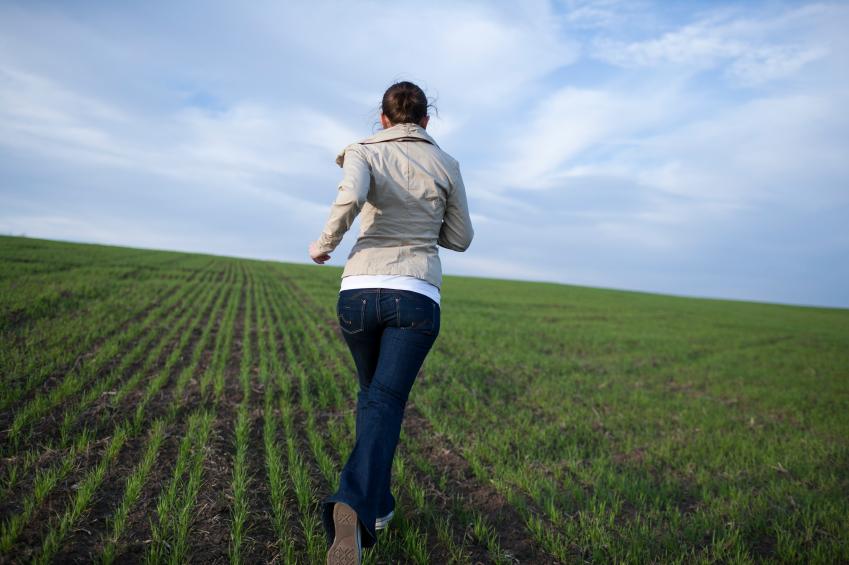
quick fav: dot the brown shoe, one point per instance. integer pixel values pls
(347, 548)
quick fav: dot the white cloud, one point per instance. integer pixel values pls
(504, 267)
(38, 115)
(606, 14)
(239, 144)
(761, 150)
(475, 57)
(572, 121)
(250, 140)
(705, 175)
(762, 65)
(52, 226)
(756, 50)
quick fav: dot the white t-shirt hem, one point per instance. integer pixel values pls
(399, 282)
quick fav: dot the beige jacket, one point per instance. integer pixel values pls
(412, 199)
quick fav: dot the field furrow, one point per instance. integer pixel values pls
(210, 528)
(261, 541)
(204, 529)
(306, 476)
(277, 435)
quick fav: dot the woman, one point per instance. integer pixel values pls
(412, 199)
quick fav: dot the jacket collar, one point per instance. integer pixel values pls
(411, 132)
(400, 131)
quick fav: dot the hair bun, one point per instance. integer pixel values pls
(404, 102)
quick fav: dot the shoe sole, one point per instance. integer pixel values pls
(381, 523)
(346, 544)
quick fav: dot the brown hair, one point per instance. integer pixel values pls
(404, 102)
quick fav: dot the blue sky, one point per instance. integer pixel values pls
(692, 148)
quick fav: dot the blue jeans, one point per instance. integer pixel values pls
(389, 333)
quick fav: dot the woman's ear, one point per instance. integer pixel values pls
(384, 121)
(424, 121)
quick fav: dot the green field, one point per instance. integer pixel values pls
(171, 407)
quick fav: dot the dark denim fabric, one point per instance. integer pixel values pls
(389, 333)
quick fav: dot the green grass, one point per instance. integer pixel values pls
(241, 480)
(618, 426)
(132, 491)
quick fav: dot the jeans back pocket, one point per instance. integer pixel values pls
(420, 314)
(351, 314)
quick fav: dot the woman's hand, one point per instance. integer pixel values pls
(317, 255)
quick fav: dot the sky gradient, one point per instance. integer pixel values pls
(692, 148)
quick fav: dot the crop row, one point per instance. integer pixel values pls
(132, 424)
(56, 344)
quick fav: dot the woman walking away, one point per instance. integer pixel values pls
(412, 199)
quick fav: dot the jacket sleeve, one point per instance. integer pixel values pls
(456, 232)
(352, 193)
